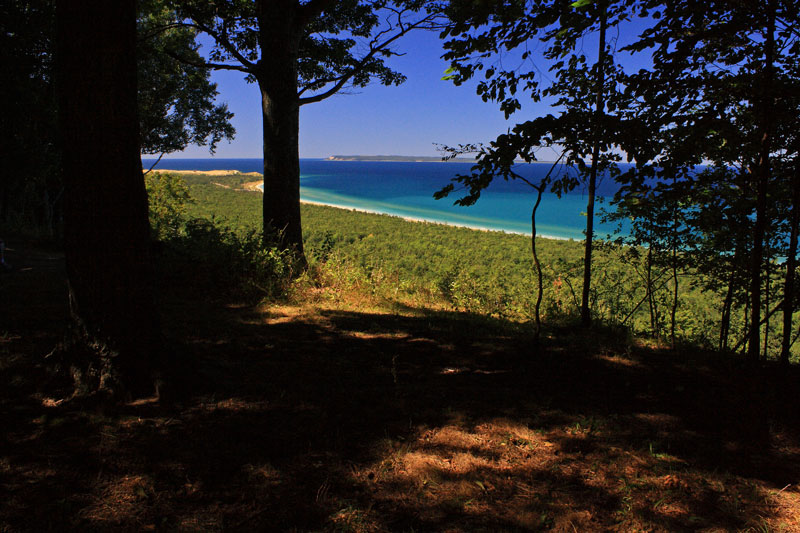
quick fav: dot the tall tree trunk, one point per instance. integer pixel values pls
(767, 295)
(674, 310)
(586, 317)
(725, 321)
(650, 301)
(279, 34)
(762, 184)
(791, 266)
(106, 233)
(539, 281)
(674, 265)
(4, 201)
(746, 323)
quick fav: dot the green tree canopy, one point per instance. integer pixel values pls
(177, 100)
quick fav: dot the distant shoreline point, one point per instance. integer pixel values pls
(414, 159)
(400, 158)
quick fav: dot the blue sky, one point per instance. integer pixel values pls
(376, 120)
(405, 120)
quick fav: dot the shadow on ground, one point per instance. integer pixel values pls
(303, 418)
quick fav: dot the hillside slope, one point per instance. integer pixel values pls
(339, 412)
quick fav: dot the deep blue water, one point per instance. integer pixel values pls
(406, 189)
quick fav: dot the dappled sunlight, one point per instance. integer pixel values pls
(234, 405)
(620, 360)
(329, 416)
(504, 474)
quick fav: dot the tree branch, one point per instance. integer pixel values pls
(222, 40)
(206, 64)
(319, 81)
(788, 26)
(376, 46)
(159, 29)
(154, 164)
(761, 323)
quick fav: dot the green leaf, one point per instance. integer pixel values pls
(581, 3)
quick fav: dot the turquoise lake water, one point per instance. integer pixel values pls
(406, 189)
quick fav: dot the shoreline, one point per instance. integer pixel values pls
(257, 186)
(433, 221)
(414, 219)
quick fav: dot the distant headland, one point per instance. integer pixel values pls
(411, 159)
(403, 158)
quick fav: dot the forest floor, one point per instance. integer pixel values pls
(345, 413)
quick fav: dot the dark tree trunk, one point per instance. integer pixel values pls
(767, 295)
(746, 322)
(537, 264)
(762, 184)
(279, 32)
(725, 322)
(4, 201)
(650, 301)
(115, 333)
(674, 265)
(791, 266)
(675, 291)
(586, 317)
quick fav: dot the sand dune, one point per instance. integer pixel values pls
(209, 172)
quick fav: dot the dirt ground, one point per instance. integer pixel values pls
(324, 416)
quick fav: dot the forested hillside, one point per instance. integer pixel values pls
(489, 272)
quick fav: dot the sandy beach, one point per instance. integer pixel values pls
(422, 220)
(256, 186)
(208, 172)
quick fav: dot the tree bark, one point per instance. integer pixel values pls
(791, 266)
(4, 201)
(762, 184)
(767, 295)
(279, 33)
(650, 301)
(674, 265)
(537, 264)
(586, 317)
(725, 322)
(115, 331)
(675, 291)
(746, 323)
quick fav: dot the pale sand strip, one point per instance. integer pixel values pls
(209, 172)
(256, 186)
(430, 221)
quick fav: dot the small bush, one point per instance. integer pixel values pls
(167, 197)
(220, 258)
(205, 253)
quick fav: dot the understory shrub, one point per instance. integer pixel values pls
(244, 263)
(204, 253)
(167, 200)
